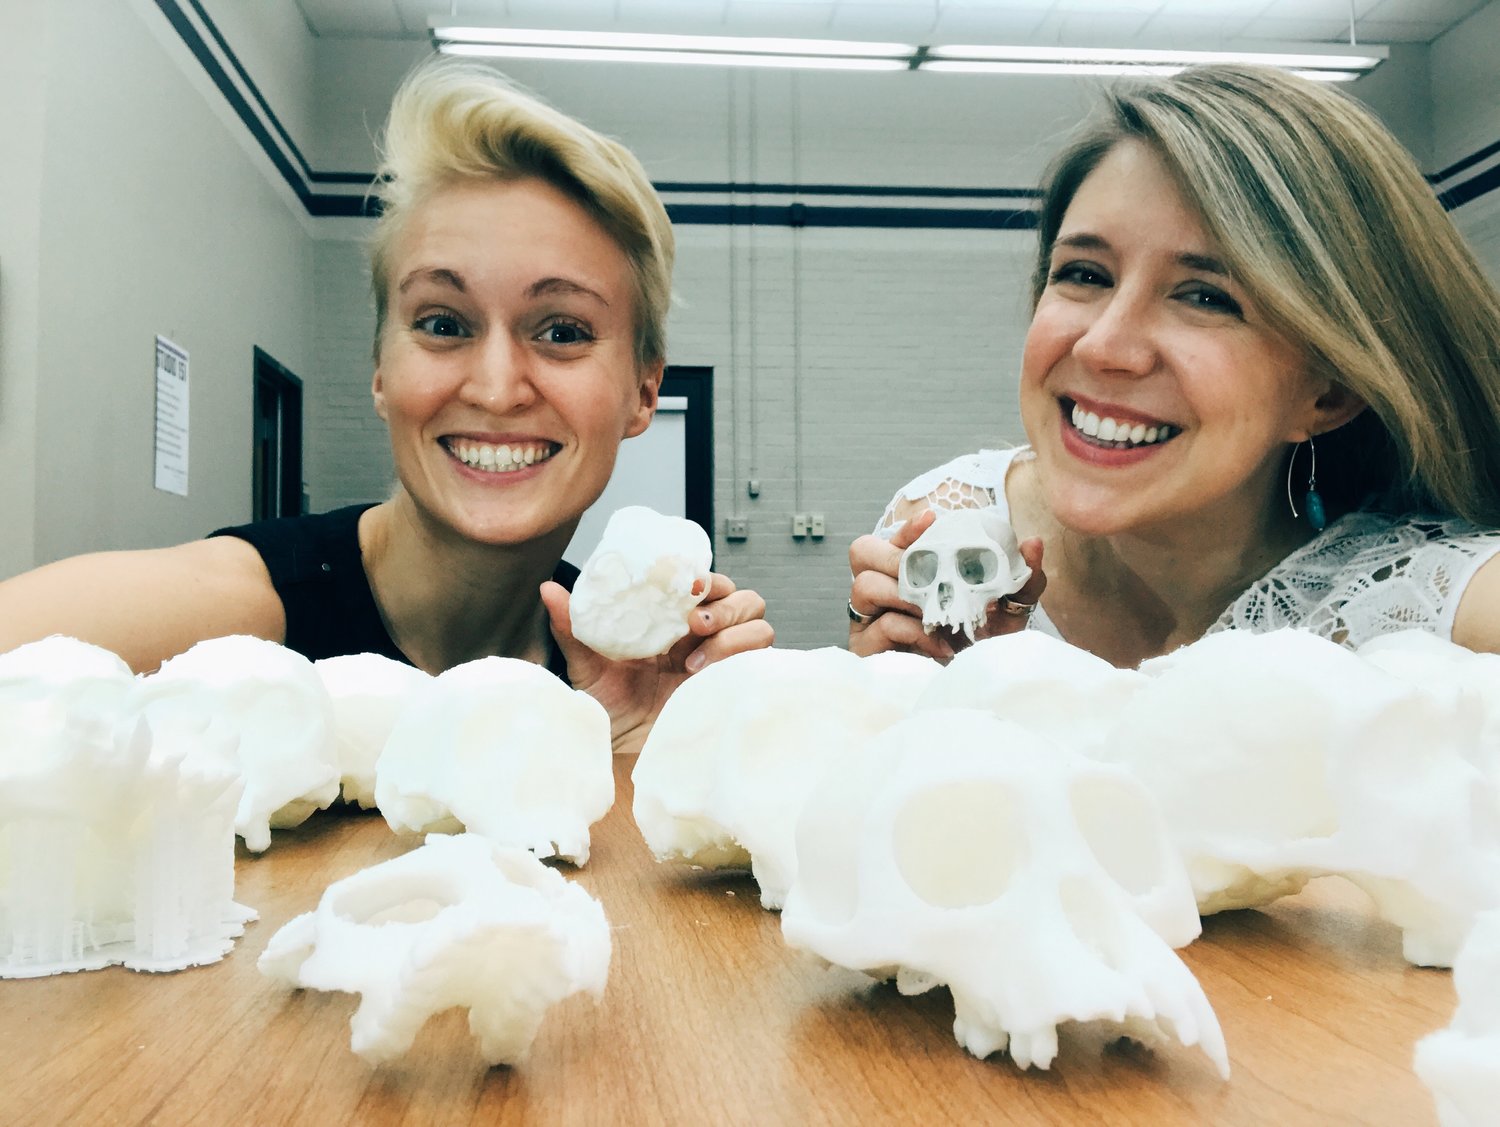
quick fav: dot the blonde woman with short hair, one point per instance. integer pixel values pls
(1261, 387)
(522, 272)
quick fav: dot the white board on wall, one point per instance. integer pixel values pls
(651, 470)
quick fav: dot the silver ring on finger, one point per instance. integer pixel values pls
(860, 617)
(1015, 607)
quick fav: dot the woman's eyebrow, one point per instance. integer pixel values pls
(1206, 263)
(556, 285)
(1087, 240)
(439, 274)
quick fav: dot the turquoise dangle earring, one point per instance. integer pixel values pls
(1312, 500)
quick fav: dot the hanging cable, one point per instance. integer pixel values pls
(796, 298)
(734, 304)
(751, 304)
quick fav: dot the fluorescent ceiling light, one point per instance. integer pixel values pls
(729, 44)
(679, 58)
(1328, 57)
(1325, 62)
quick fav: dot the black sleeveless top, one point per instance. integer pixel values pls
(317, 571)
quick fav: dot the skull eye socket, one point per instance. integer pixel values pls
(1120, 827)
(977, 565)
(958, 846)
(921, 567)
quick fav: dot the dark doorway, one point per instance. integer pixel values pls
(696, 384)
(277, 460)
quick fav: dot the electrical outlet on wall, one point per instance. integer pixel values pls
(736, 528)
(815, 525)
(801, 525)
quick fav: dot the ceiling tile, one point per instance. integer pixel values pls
(1445, 12)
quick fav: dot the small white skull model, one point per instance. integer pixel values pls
(1461, 1064)
(273, 700)
(368, 693)
(967, 559)
(1039, 886)
(1282, 756)
(634, 594)
(504, 749)
(458, 922)
(73, 681)
(1041, 683)
(738, 747)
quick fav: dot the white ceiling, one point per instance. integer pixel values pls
(1088, 22)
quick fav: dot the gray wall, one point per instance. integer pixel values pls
(137, 210)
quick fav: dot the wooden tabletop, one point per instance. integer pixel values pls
(709, 1018)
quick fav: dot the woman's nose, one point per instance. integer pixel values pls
(500, 378)
(1118, 339)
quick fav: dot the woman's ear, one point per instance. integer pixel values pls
(649, 389)
(377, 392)
(1336, 406)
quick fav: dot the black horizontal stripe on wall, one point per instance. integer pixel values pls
(848, 190)
(1467, 162)
(1486, 181)
(804, 215)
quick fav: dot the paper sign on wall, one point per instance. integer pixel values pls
(171, 417)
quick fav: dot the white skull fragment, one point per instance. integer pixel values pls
(1038, 885)
(368, 693)
(1282, 756)
(738, 747)
(1039, 682)
(116, 846)
(273, 700)
(1461, 1064)
(458, 922)
(634, 594)
(967, 559)
(75, 682)
(504, 749)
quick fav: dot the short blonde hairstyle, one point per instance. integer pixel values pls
(454, 122)
(1329, 225)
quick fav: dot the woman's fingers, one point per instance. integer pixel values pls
(1003, 616)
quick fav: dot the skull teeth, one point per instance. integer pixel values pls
(1122, 434)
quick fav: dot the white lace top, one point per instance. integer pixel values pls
(1364, 575)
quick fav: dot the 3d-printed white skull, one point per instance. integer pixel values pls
(634, 594)
(738, 747)
(1039, 886)
(1040, 682)
(1282, 756)
(502, 748)
(273, 700)
(1436, 664)
(458, 922)
(368, 693)
(74, 681)
(967, 559)
(1461, 1064)
(115, 848)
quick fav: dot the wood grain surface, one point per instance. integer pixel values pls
(710, 1019)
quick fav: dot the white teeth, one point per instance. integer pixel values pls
(498, 459)
(1121, 434)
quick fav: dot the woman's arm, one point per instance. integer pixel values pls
(1477, 623)
(145, 606)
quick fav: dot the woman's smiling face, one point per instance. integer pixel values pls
(507, 369)
(1152, 389)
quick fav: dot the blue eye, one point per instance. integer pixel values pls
(1210, 298)
(441, 325)
(1079, 274)
(565, 332)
